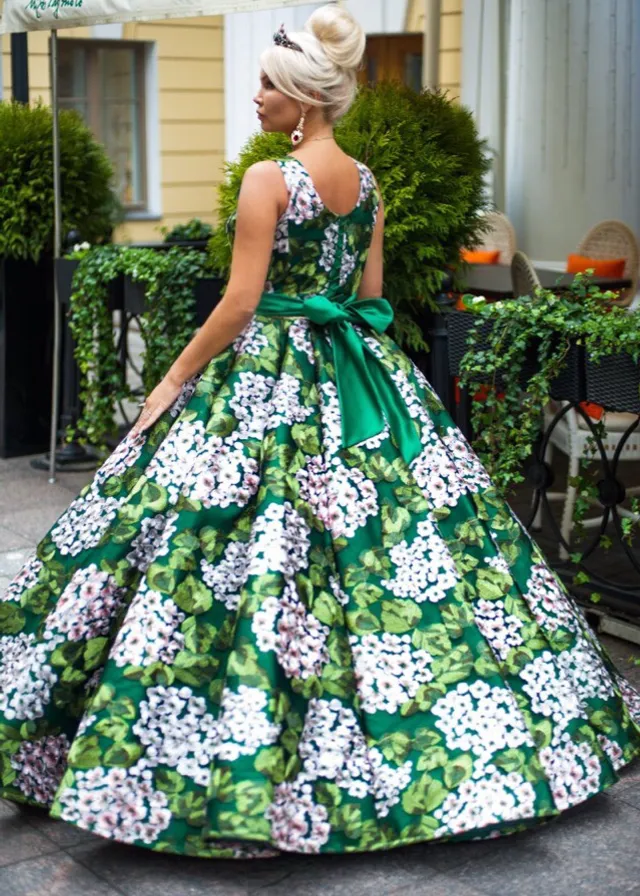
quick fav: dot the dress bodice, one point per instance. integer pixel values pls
(315, 250)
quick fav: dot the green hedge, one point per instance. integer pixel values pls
(89, 204)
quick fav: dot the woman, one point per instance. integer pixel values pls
(290, 612)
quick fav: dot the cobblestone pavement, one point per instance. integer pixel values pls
(593, 849)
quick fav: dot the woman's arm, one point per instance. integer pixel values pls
(262, 199)
(373, 276)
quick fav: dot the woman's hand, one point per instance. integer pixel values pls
(161, 399)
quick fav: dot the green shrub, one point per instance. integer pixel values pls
(429, 162)
(195, 229)
(89, 205)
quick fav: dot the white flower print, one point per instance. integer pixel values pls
(26, 678)
(85, 521)
(550, 605)
(582, 666)
(279, 541)
(329, 247)
(331, 419)
(482, 719)
(252, 340)
(388, 670)
(285, 403)
(338, 592)
(222, 475)
(150, 631)
(333, 746)
(551, 692)
(304, 202)
(40, 765)
(251, 403)
(367, 182)
(227, 575)
(123, 457)
(119, 803)
(489, 797)
(297, 823)
(281, 239)
(152, 541)
(299, 331)
(282, 624)
(27, 578)
(171, 465)
(177, 731)
(347, 264)
(186, 394)
(630, 696)
(87, 607)
(424, 569)
(341, 497)
(501, 629)
(573, 771)
(447, 468)
(243, 725)
(612, 751)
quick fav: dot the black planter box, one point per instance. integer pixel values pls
(26, 355)
(208, 292)
(65, 269)
(614, 383)
(569, 385)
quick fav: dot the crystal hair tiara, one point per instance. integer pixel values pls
(281, 39)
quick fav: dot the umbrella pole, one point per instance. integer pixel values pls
(57, 250)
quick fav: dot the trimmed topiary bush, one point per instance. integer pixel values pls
(89, 204)
(427, 157)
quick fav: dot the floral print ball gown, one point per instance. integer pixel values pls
(268, 625)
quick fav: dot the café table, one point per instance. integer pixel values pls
(494, 281)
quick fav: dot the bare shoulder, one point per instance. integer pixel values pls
(262, 174)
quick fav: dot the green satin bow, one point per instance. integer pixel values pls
(367, 394)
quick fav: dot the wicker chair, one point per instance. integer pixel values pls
(501, 235)
(523, 276)
(613, 239)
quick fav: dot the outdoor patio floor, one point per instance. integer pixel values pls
(592, 849)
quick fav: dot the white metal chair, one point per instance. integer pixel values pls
(571, 433)
(613, 239)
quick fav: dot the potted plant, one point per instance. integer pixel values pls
(26, 243)
(550, 345)
(430, 166)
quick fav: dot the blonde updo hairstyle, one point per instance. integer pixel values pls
(324, 74)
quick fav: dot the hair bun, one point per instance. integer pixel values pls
(342, 38)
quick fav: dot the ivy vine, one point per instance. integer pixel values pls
(166, 326)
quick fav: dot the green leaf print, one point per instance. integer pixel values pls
(412, 498)
(102, 697)
(270, 761)
(457, 771)
(423, 796)
(378, 468)
(471, 532)
(426, 738)
(492, 584)
(307, 437)
(604, 720)
(36, 600)
(326, 608)
(457, 617)
(112, 727)
(395, 746)
(434, 639)
(7, 772)
(347, 818)
(252, 798)
(112, 486)
(362, 622)
(198, 635)
(193, 596)
(95, 653)
(454, 666)
(511, 761)
(192, 807)
(67, 654)
(542, 733)
(122, 755)
(399, 616)
(221, 424)
(161, 579)
(435, 757)
(194, 669)
(12, 619)
(328, 794)
(394, 522)
(85, 752)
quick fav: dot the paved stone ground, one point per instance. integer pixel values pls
(593, 849)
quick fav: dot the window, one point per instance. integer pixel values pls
(105, 82)
(394, 57)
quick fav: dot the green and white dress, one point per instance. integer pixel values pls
(295, 615)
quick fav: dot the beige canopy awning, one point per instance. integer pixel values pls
(47, 15)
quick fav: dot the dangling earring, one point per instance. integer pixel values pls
(297, 136)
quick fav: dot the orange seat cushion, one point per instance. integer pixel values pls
(480, 256)
(602, 267)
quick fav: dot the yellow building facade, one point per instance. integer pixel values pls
(183, 143)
